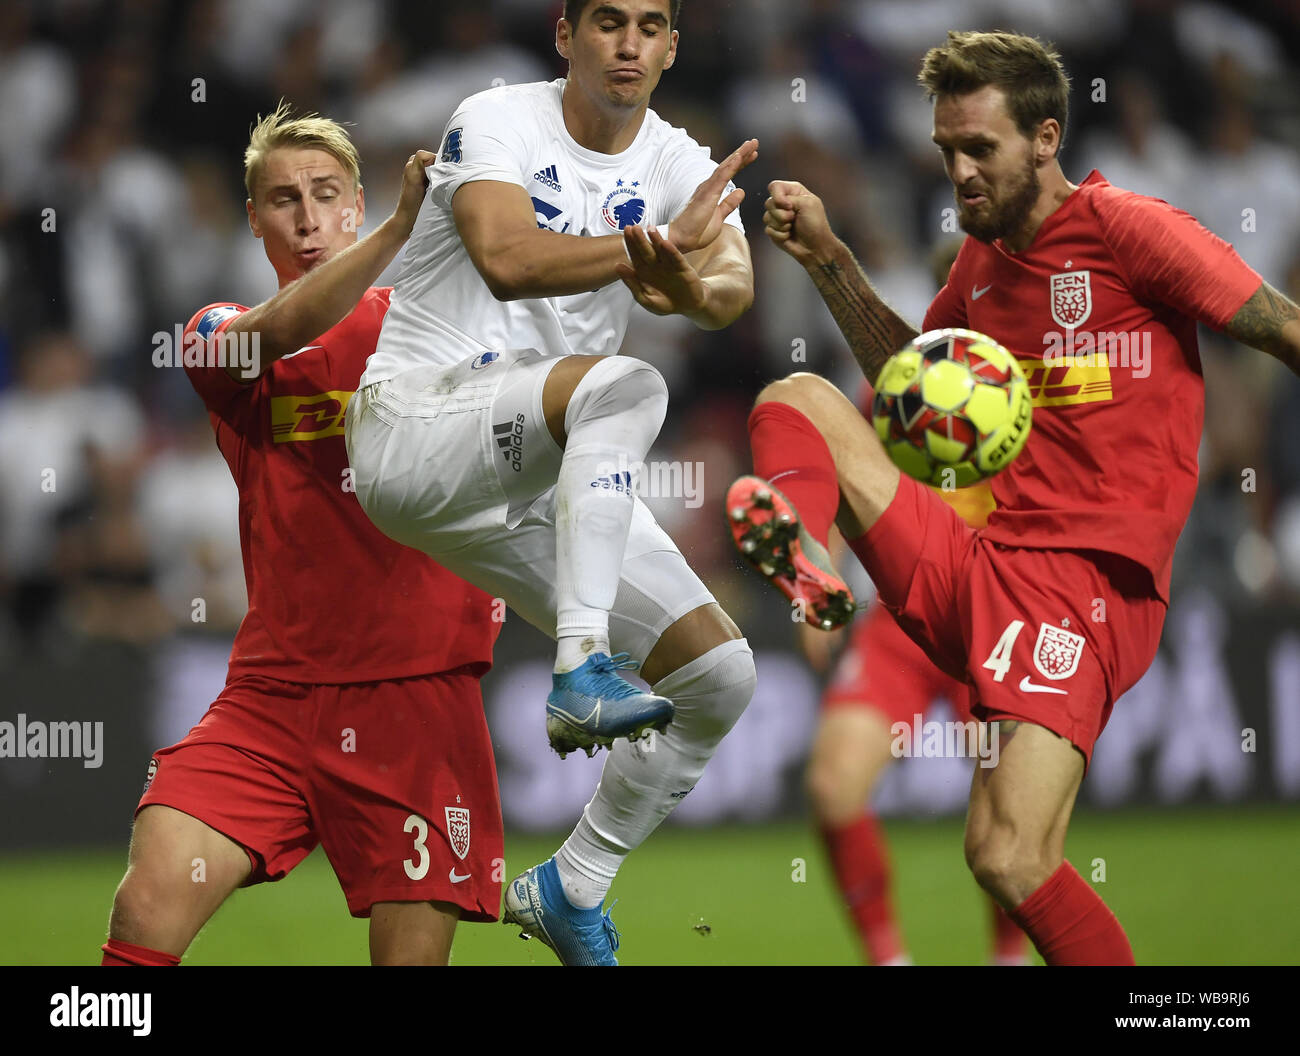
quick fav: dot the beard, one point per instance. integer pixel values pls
(1007, 213)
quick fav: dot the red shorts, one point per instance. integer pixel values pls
(1051, 637)
(884, 671)
(396, 780)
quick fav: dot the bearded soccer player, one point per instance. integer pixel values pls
(496, 429)
(351, 715)
(1055, 608)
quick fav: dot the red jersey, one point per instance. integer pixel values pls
(331, 599)
(1101, 311)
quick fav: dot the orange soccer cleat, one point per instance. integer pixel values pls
(769, 535)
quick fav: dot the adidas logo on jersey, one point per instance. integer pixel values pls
(619, 482)
(548, 177)
(510, 438)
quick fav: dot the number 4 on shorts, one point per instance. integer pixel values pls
(999, 660)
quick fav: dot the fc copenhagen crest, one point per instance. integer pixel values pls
(1057, 652)
(1071, 298)
(625, 205)
(458, 830)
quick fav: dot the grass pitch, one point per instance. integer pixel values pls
(1190, 887)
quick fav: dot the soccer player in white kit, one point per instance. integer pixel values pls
(495, 429)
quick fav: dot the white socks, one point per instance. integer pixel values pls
(613, 417)
(641, 783)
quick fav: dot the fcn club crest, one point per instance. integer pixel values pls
(1071, 298)
(1057, 652)
(458, 830)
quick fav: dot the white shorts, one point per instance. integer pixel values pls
(458, 462)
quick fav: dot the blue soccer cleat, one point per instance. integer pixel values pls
(536, 902)
(592, 706)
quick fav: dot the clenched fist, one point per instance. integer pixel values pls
(795, 219)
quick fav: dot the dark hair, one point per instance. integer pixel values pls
(573, 10)
(1028, 71)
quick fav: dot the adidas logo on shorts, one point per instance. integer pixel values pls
(510, 438)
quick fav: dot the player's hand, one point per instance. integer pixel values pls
(659, 275)
(414, 184)
(701, 221)
(795, 219)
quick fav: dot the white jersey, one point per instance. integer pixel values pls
(442, 312)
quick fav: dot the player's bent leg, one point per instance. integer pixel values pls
(164, 899)
(816, 461)
(700, 662)
(412, 933)
(866, 477)
(559, 901)
(710, 681)
(1020, 809)
(613, 415)
(1015, 846)
(604, 412)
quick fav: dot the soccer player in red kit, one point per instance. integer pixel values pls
(351, 715)
(1055, 608)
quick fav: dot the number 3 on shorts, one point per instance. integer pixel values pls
(999, 660)
(416, 870)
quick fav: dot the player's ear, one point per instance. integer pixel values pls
(672, 51)
(253, 225)
(361, 207)
(563, 39)
(1047, 143)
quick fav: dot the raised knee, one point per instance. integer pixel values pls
(619, 383)
(711, 692)
(796, 388)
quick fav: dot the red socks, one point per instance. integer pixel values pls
(1070, 924)
(857, 854)
(791, 454)
(119, 954)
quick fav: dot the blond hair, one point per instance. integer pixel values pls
(283, 129)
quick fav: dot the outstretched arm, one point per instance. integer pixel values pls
(795, 219)
(1269, 321)
(519, 260)
(322, 298)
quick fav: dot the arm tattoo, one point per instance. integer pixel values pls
(1261, 323)
(1006, 730)
(873, 330)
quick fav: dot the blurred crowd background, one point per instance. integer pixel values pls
(122, 211)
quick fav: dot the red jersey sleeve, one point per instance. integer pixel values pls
(1170, 258)
(211, 381)
(948, 309)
